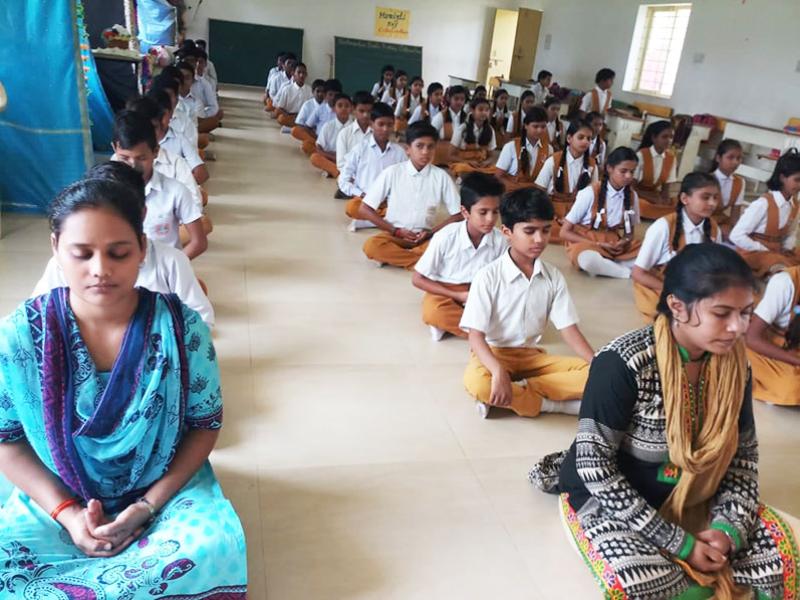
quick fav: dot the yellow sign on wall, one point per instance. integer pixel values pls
(392, 22)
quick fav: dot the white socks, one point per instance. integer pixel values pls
(567, 407)
(595, 263)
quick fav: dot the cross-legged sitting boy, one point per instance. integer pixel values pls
(324, 158)
(367, 160)
(291, 97)
(353, 134)
(457, 252)
(509, 304)
(414, 192)
(301, 131)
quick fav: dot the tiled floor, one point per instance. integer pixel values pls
(351, 451)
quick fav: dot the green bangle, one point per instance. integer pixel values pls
(730, 531)
(686, 547)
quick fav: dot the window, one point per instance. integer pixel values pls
(656, 48)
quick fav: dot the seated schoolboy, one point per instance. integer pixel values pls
(209, 70)
(165, 269)
(766, 233)
(186, 109)
(366, 161)
(354, 133)
(692, 223)
(209, 114)
(273, 72)
(325, 112)
(174, 140)
(324, 158)
(414, 191)
(474, 145)
(509, 304)
(541, 89)
(599, 98)
(457, 252)
(657, 169)
(281, 78)
(292, 96)
(773, 341)
(520, 162)
(301, 131)
(169, 203)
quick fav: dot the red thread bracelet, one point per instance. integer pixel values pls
(61, 507)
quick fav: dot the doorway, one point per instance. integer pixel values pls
(514, 41)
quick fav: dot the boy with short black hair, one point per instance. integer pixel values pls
(301, 131)
(273, 72)
(366, 161)
(325, 156)
(541, 89)
(413, 191)
(457, 252)
(209, 114)
(323, 114)
(291, 98)
(168, 201)
(355, 133)
(281, 78)
(599, 98)
(509, 304)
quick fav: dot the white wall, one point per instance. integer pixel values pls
(751, 51)
(455, 34)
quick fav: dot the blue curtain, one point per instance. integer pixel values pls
(157, 21)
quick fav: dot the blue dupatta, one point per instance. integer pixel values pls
(111, 439)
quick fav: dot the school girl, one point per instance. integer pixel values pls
(766, 233)
(384, 83)
(726, 160)
(500, 115)
(427, 111)
(515, 119)
(555, 128)
(522, 159)
(474, 144)
(599, 228)
(568, 171)
(448, 121)
(773, 341)
(597, 148)
(691, 223)
(408, 103)
(396, 90)
(657, 169)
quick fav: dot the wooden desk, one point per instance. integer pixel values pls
(622, 128)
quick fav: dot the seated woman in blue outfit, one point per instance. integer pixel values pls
(110, 405)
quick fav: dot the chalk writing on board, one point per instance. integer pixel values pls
(392, 22)
(367, 46)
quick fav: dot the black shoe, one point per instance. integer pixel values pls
(340, 195)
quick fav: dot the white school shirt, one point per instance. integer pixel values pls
(176, 144)
(511, 310)
(507, 161)
(540, 93)
(574, 168)
(326, 139)
(292, 97)
(433, 111)
(273, 72)
(322, 115)
(552, 132)
(276, 83)
(581, 211)
(452, 258)
(601, 156)
(365, 162)
(401, 104)
(413, 197)
(656, 247)
(349, 137)
(754, 220)
(184, 121)
(376, 88)
(175, 166)
(387, 98)
(777, 304)
(459, 136)
(658, 162)
(512, 117)
(166, 270)
(205, 98)
(211, 74)
(309, 107)
(586, 102)
(169, 204)
(438, 121)
(726, 187)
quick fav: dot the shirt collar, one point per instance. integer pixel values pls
(571, 159)
(412, 170)
(530, 146)
(357, 127)
(655, 154)
(779, 198)
(511, 271)
(689, 226)
(374, 144)
(156, 183)
(465, 241)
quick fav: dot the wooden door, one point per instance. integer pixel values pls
(525, 42)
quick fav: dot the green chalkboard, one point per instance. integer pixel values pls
(243, 53)
(358, 63)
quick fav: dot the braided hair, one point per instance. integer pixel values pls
(500, 92)
(534, 115)
(787, 165)
(393, 87)
(692, 182)
(586, 176)
(652, 131)
(519, 117)
(425, 111)
(485, 136)
(724, 147)
(618, 156)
